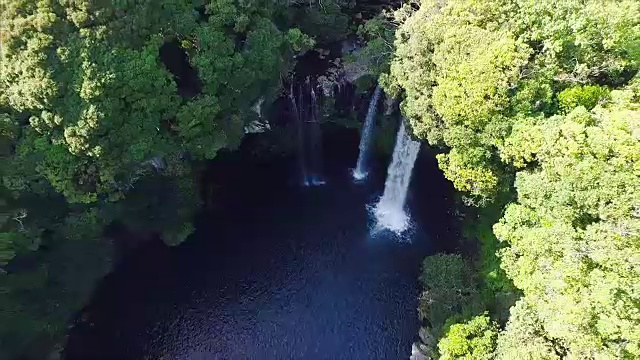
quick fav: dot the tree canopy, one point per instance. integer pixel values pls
(470, 69)
(104, 104)
(573, 235)
(537, 103)
(530, 104)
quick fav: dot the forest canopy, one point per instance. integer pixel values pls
(532, 106)
(101, 104)
(537, 105)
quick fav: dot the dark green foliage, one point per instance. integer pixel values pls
(378, 34)
(323, 21)
(40, 291)
(93, 130)
(168, 213)
(448, 287)
(364, 84)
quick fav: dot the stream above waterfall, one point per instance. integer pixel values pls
(275, 270)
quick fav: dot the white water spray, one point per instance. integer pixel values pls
(361, 171)
(306, 114)
(389, 211)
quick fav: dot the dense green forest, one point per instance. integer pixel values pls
(96, 129)
(536, 106)
(533, 107)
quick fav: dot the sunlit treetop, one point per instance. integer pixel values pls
(470, 69)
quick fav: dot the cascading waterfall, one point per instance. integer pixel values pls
(306, 115)
(315, 141)
(300, 132)
(361, 171)
(389, 211)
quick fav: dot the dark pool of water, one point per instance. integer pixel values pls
(275, 271)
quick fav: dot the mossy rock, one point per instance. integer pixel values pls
(365, 83)
(385, 134)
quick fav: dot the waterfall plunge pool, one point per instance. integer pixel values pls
(275, 270)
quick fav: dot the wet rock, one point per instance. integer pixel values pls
(257, 126)
(426, 337)
(333, 78)
(389, 105)
(354, 70)
(417, 354)
(257, 107)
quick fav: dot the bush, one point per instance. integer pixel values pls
(474, 339)
(448, 288)
(299, 41)
(588, 96)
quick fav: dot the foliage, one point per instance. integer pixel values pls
(472, 340)
(573, 234)
(378, 34)
(496, 289)
(524, 337)
(40, 291)
(322, 20)
(587, 96)
(544, 93)
(168, 213)
(471, 69)
(448, 286)
(93, 131)
(299, 41)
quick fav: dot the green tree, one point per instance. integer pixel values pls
(448, 287)
(587, 96)
(471, 69)
(323, 20)
(533, 88)
(473, 340)
(93, 131)
(299, 41)
(378, 34)
(573, 235)
(524, 336)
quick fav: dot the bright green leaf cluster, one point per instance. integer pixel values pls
(573, 236)
(471, 340)
(587, 96)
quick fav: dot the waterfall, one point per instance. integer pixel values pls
(300, 132)
(390, 209)
(315, 141)
(360, 172)
(306, 112)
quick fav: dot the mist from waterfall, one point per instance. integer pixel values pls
(389, 211)
(361, 170)
(305, 109)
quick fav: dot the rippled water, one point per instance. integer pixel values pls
(276, 272)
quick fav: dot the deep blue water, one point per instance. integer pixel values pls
(275, 271)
